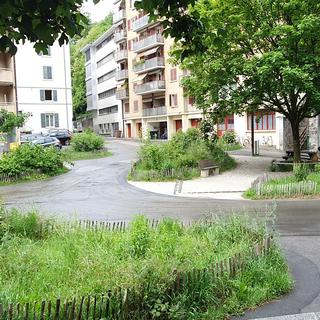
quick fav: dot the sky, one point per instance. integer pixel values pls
(99, 11)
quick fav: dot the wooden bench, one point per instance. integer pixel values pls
(208, 168)
(305, 156)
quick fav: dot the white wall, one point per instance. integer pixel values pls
(29, 71)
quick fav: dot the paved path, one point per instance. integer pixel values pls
(97, 189)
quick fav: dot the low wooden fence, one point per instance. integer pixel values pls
(122, 304)
(9, 177)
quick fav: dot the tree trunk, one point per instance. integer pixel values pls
(295, 126)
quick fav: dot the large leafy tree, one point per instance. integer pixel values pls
(88, 35)
(246, 54)
(39, 21)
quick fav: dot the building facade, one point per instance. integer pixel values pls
(101, 84)
(8, 99)
(44, 87)
(153, 100)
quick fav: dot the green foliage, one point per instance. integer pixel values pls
(87, 141)
(300, 171)
(180, 155)
(30, 159)
(10, 120)
(70, 155)
(89, 35)
(75, 262)
(41, 22)
(229, 137)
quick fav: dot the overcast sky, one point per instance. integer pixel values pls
(99, 11)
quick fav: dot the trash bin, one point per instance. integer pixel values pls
(256, 147)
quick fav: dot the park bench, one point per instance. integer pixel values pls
(305, 156)
(208, 168)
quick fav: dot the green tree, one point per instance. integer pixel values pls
(89, 34)
(245, 54)
(39, 21)
(10, 120)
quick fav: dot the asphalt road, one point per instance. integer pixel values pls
(97, 189)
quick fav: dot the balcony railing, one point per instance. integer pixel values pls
(140, 23)
(9, 106)
(6, 76)
(119, 36)
(158, 111)
(148, 42)
(152, 86)
(121, 55)
(191, 108)
(150, 64)
(122, 93)
(122, 74)
(118, 16)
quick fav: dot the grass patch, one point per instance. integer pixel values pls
(73, 262)
(70, 155)
(178, 158)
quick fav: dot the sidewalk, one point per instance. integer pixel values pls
(228, 185)
(303, 316)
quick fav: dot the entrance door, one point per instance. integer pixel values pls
(195, 123)
(178, 125)
(129, 130)
(139, 129)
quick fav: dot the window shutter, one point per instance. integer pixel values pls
(49, 72)
(43, 120)
(56, 120)
(55, 95)
(41, 95)
(44, 72)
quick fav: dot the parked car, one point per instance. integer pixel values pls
(26, 138)
(63, 135)
(48, 142)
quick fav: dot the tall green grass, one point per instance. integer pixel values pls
(40, 263)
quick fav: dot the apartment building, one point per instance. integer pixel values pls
(153, 100)
(44, 87)
(102, 75)
(7, 83)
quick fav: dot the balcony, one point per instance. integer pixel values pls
(140, 23)
(6, 77)
(120, 36)
(122, 93)
(158, 111)
(122, 74)
(147, 43)
(118, 16)
(150, 87)
(191, 108)
(121, 55)
(148, 65)
(9, 106)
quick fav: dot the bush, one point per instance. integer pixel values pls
(229, 137)
(300, 171)
(31, 159)
(87, 141)
(181, 155)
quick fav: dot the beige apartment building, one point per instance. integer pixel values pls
(148, 85)
(7, 83)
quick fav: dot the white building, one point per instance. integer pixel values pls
(44, 87)
(101, 84)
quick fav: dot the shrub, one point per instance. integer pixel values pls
(87, 141)
(229, 137)
(300, 171)
(31, 159)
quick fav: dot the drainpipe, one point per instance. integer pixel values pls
(252, 134)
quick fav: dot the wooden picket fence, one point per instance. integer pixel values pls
(121, 304)
(260, 180)
(9, 177)
(289, 190)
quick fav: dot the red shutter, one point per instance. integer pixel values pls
(178, 125)
(129, 25)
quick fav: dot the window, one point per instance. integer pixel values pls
(48, 95)
(136, 106)
(89, 85)
(106, 59)
(126, 107)
(49, 120)
(88, 71)
(190, 101)
(107, 94)
(104, 42)
(108, 110)
(87, 55)
(173, 74)
(173, 100)
(47, 72)
(129, 25)
(263, 120)
(226, 124)
(107, 76)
